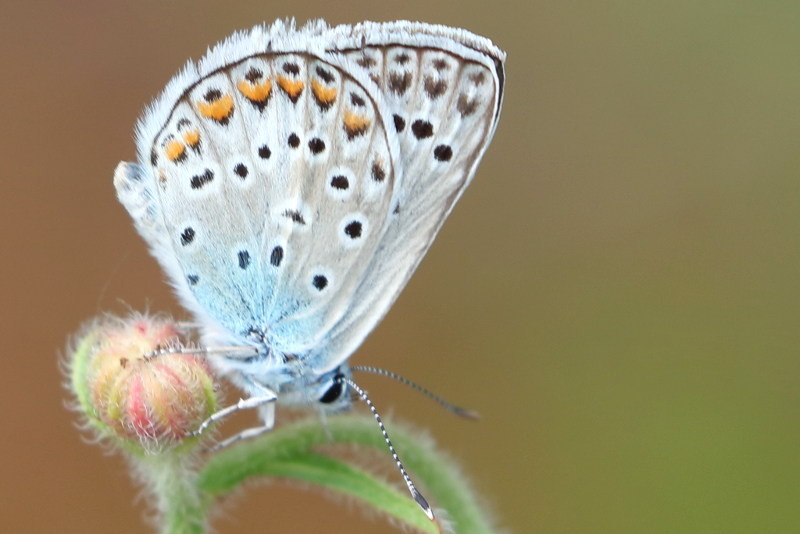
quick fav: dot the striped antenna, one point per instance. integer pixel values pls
(415, 494)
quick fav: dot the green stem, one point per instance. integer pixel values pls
(287, 453)
(173, 481)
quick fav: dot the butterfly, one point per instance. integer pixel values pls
(290, 182)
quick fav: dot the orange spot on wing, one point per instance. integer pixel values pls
(355, 124)
(257, 92)
(174, 150)
(326, 95)
(218, 109)
(192, 137)
(293, 88)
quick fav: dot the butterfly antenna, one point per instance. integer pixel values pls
(461, 412)
(417, 496)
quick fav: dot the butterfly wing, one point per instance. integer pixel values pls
(442, 92)
(263, 187)
(290, 183)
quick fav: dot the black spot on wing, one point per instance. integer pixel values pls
(276, 257)
(199, 181)
(422, 129)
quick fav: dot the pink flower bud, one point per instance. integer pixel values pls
(150, 402)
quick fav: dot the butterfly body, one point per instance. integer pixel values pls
(291, 181)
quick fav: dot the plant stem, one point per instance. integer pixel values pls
(287, 453)
(173, 483)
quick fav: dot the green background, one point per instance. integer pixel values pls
(617, 293)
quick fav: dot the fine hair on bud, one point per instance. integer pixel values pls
(138, 383)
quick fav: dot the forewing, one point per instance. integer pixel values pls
(265, 196)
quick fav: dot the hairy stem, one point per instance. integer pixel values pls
(173, 483)
(288, 453)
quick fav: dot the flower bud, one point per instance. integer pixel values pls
(146, 402)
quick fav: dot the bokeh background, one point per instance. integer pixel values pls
(618, 292)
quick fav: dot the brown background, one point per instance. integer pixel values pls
(617, 293)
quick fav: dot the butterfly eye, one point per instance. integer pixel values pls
(333, 393)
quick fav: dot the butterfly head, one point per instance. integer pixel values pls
(329, 391)
(332, 392)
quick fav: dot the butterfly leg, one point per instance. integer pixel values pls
(243, 404)
(244, 434)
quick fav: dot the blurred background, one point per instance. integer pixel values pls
(617, 293)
